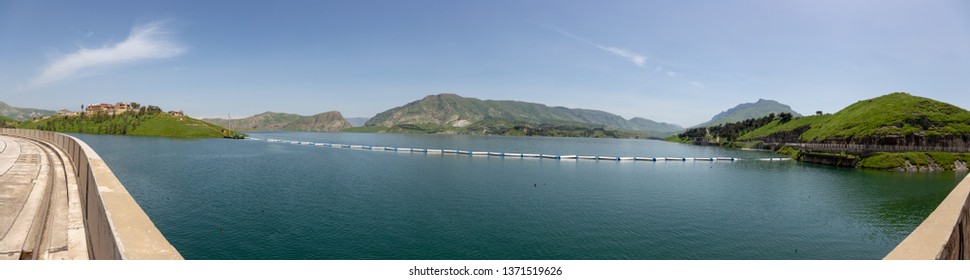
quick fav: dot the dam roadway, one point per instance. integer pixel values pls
(40, 211)
(60, 201)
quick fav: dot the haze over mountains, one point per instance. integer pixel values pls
(746, 111)
(357, 121)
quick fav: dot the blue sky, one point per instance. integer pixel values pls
(671, 61)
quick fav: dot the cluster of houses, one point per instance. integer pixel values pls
(116, 108)
(112, 109)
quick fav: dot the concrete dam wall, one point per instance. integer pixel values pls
(116, 227)
(945, 234)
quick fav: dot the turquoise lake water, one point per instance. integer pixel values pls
(246, 199)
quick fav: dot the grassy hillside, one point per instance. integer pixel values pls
(729, 132)
(748, 111)
(896, 118)
(156, 124)
(456, 113)
(270, 121)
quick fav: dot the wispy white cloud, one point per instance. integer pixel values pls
(145, 42)
(636, 58)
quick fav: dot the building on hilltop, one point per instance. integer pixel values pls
(122, 107)
(113, 109)
(101, 107)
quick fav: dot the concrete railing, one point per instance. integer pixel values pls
(858, 148)
(944, 235)
(117, 228)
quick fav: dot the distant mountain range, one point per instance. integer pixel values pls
(451, 113)
(746, 111)
(22, 114)
(357, 121)
(328, 121)
(457, 113)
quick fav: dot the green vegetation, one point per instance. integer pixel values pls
(450, 113)
(892, 161)
(895, 119)
(789, 151)
(728, 133)
(6, 122)
(132, 123)
(778, 127)
(365, 129)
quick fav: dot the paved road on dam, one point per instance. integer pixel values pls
(40, 207)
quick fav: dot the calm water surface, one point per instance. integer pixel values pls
(234, 199)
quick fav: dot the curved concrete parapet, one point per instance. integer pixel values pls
(117, 228)
(944, 235)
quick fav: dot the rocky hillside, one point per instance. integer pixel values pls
(270, 121)
(747, 111)
(22, 114)
(451, 110)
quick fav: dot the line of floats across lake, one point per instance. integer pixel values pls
(516, 155)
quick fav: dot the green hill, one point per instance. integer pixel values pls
(894, 119)
(7, 122)
(328, 121)
(897, 119)
(747, 111)
(22, 114)
(456, 114)
(131, 123)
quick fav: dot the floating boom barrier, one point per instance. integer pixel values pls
(517, 155)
